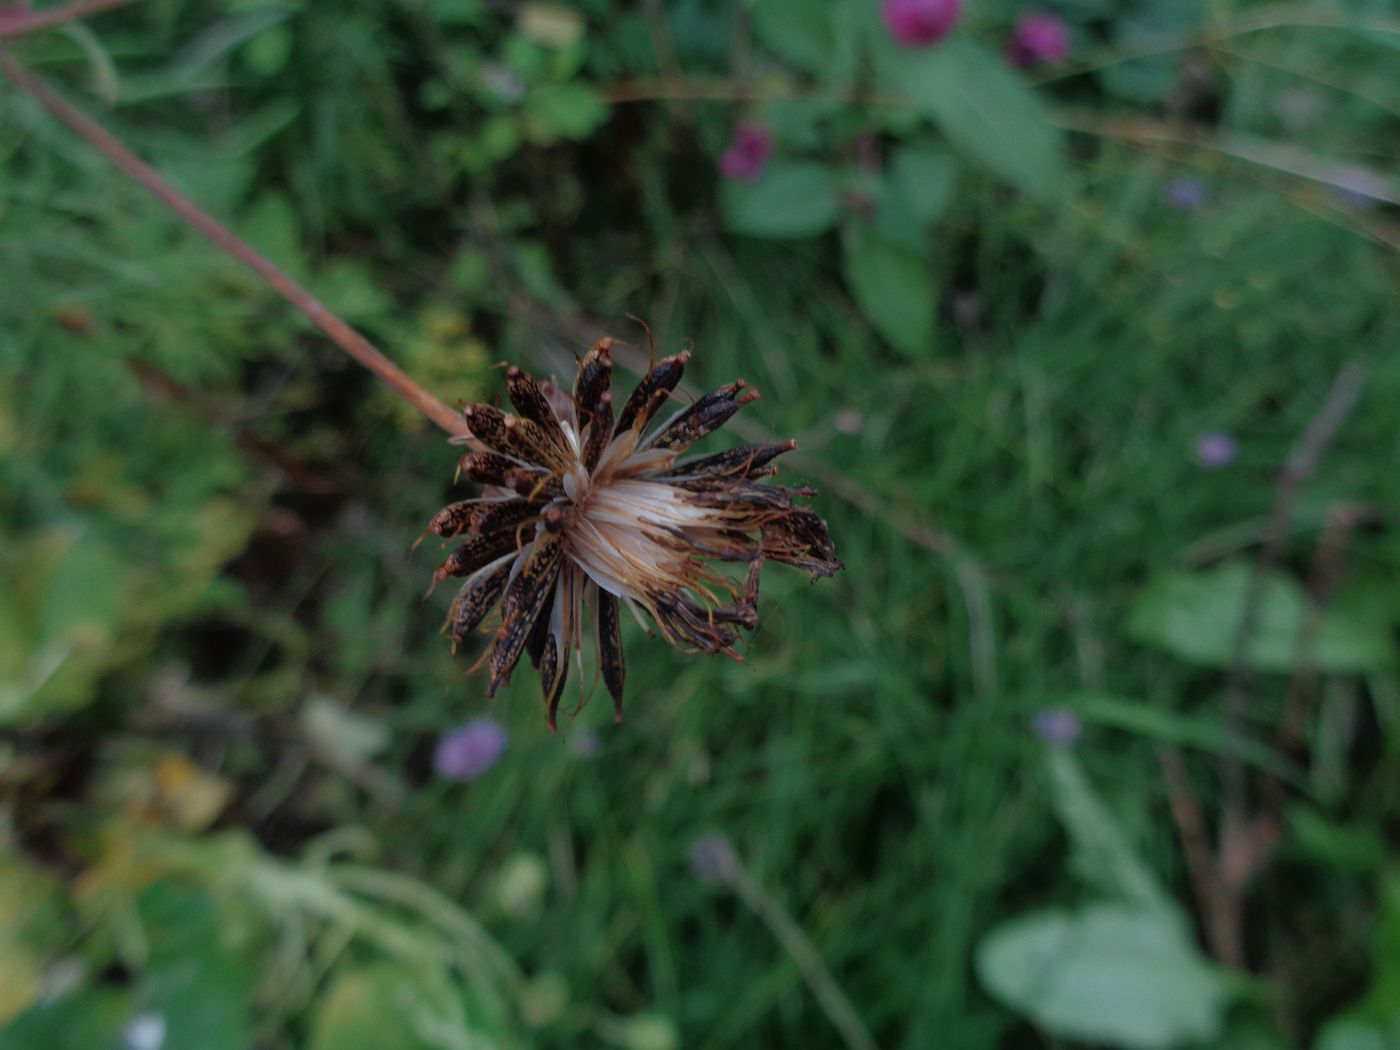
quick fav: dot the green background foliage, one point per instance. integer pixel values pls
(996, 321)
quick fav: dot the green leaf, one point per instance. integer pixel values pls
(1132, 715)
(1108, 974)
(802, 32)
(1352, 1033)
(792, 199)
(1352, 847)
(921, 180)
(1196, 616)
(981, 106)
(85, 1020)
(192, 980)
(1102, 856)
(563, 111)
(895, 288)
(1164, 28)
(388, 1004)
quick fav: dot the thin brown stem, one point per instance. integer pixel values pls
(17, 21)
(1221, 933)
(1243, 844)
(345, 337)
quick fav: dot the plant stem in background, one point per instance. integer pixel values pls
(16, 20)
(345, 337)
(1244, 844)
(714, 859)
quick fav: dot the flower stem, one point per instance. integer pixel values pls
(16, 20)
(345, 337)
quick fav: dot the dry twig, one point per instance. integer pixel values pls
(345, 337)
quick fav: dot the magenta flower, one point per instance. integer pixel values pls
(1216, 450)
(1039, 39)
(747, 154)
(919, 23)
(467, 752)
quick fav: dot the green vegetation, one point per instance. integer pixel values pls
(999, 309)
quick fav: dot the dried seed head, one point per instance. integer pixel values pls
(599, 513)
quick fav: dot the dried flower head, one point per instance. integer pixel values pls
(592, 507)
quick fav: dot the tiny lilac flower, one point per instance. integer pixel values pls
(712, 858)
(919, 23)
(1057, 726)
(467, 752)
(1038, 39)
(1186, 193)
(747, 154)
(1216, 450)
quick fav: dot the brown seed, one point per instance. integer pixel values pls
(610, 649)
(475, 600)
(738, 462)
(530, 402)
(524, 599)
(476, 553)
(642, 402)
(709, 413)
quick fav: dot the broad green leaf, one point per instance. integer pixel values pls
(983, 108)
(895, 288)
(792, 199)
(192, 980)
(1196, 616)
(1109, 974)
(805, 33)
(391, 1005)
(86, 1020)
(921, 180)
(31, 924)
(563, 111)
(1352, 1033)
(59, 617)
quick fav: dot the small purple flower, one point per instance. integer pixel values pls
(467, 752)
(919, 23)
(1216, 450)
(1057, 726)
(1039, 38)
(1186, 193)
(712, 858)
(747, 154)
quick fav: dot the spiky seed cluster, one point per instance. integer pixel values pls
(591, 507)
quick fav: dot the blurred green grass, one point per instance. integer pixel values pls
(233, 519)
